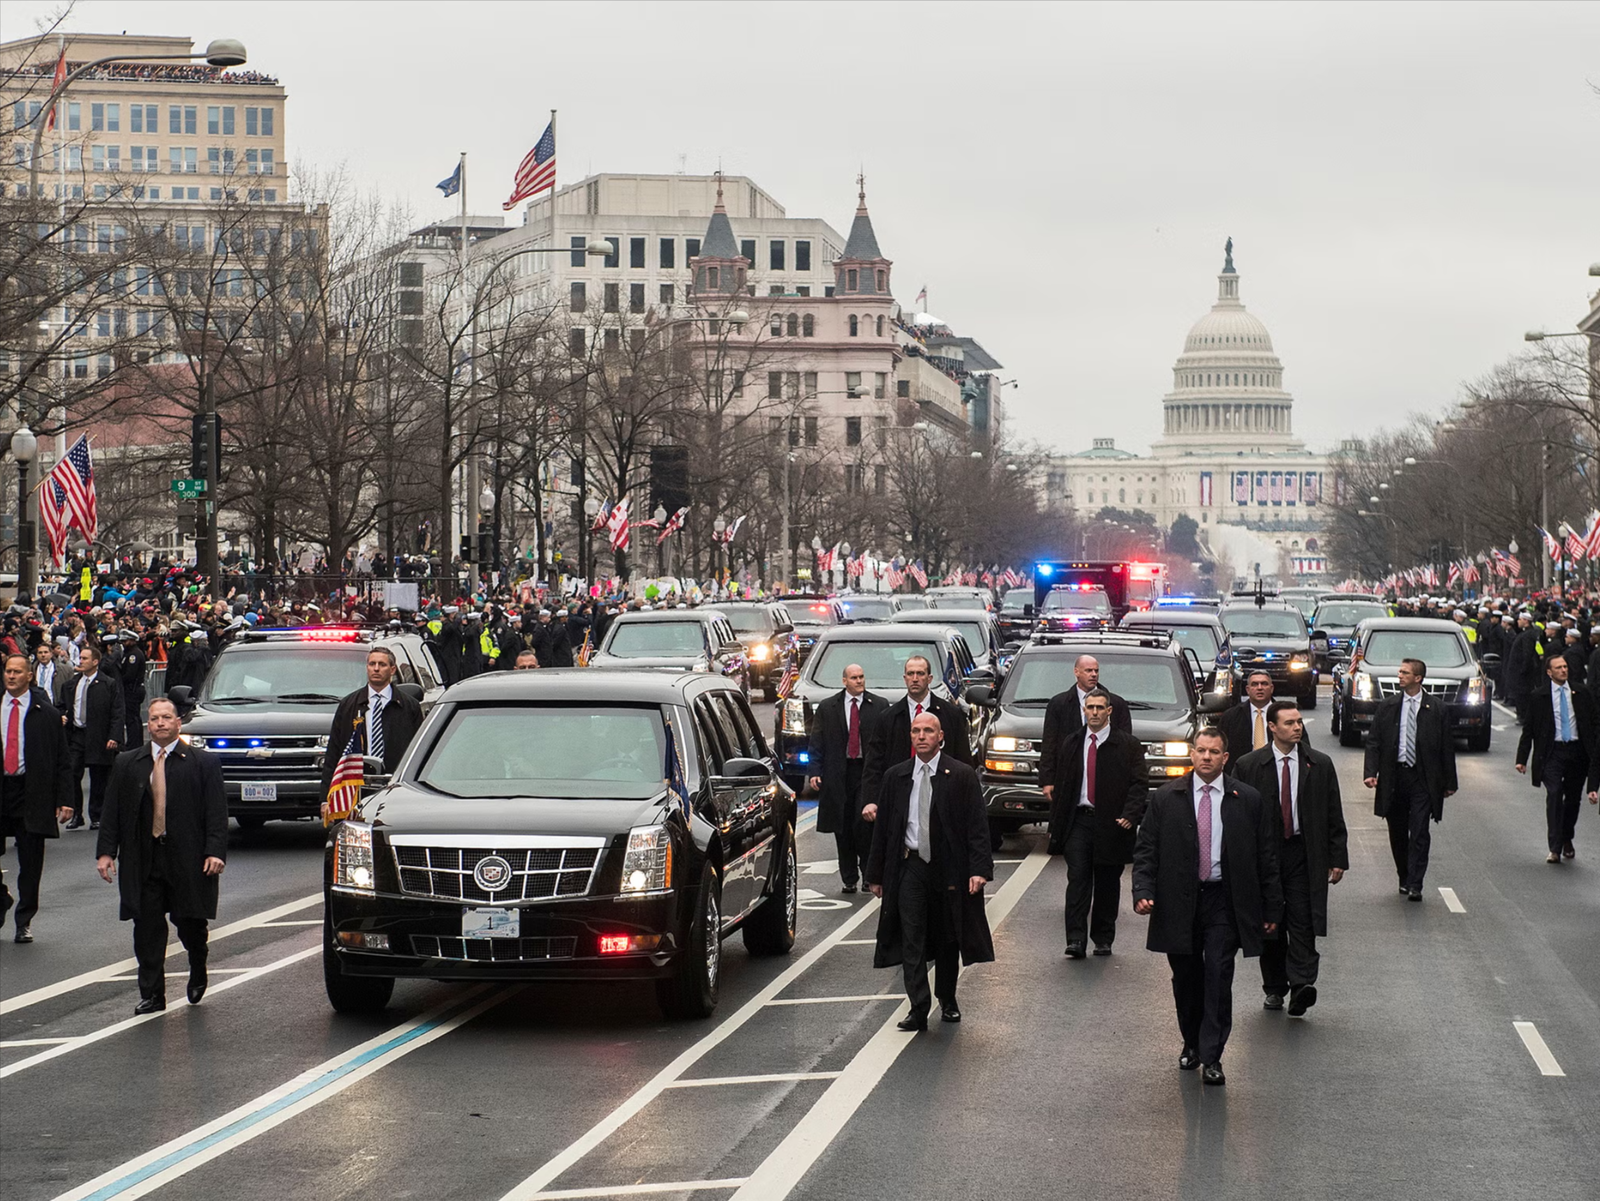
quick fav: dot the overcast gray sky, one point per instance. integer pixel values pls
(1409, 186)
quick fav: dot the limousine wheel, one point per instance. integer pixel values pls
(770, 929)
(691, 991)
(351, 994)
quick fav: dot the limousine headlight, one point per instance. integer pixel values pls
(352, 856)
(794, 716)
(761, 652)
(1474, 692)
(647, 866)
(1363, 687)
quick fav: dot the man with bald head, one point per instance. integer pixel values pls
(841, 729)
(1064, 717)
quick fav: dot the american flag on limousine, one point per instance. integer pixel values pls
(349, 774)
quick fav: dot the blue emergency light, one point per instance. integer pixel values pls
(1044, 569)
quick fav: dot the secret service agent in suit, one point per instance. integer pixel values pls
(47, 673)
(1205, 870)
(930, 859)
(166, 829)
(891, 736)
(1411, 762)
(841, 729)
(1563, 734)
(1099, 798)
(1063, 717)
(1314, 852)
(92, 707)
(399, 717)
(36, 791)
(1245, 724)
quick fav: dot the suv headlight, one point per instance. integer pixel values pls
(322, 742)
(1006, 745)
(1168, 750)
(647, 866)
(794, 716)
(195, 740)
(1362, 686)
(1300, 661)
(352, 856)
(761, 652)
(700, 665)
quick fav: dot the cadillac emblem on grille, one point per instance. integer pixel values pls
(492, 873)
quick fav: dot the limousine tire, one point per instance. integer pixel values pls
(351, 994)
(770, 929)
(691, 991)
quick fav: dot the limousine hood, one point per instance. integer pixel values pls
(405, 810)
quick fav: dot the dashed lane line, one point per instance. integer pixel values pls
(874, 996)
(767, 1078)
(640, 1190)
(1538, 1048)
(1451, 901)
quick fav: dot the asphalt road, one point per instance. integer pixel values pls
(1411, 1077)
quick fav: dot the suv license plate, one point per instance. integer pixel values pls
(258, 792)
(491, 923)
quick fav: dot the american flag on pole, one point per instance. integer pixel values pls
(1552, 545)
(855, 567)
(1591, 537)
(349, 774)
(674, 524)
(75, 474)
(916, 572)
(1455, 574)
(894, 578)
(601, 517)
(1576, 546)
(52, 512)
(786, 682)
(538, 170)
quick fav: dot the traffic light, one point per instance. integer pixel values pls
(466, 548)
(205, 447)
(486, 547)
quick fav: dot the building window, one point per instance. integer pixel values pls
(791, 325)
(852, 382)
(613, 341)
(106, 117)
(612, 293)
(775, 290)
(794, 431)
(880, 480)
(747, 248)
(774, 385)
(850, 280)
(613, 259)
(902, 389)
(880, 325)
(883, 280)
(182, 118)
(711, 279)
(183, 160)
(579, 259)
(219, 120)
(580, 297)
(775, 256)
(666, 295)
(855, 325)
(143, 118)
(802, 256)
(575, 343)
(636, 252)
(808, 326)
(880, 431)
(107, 158)
(852, 431)
(775, 428)
(880, 384)
(811, 431)
(777, 325)
(691, 248)
(811, 385)
(668, 252)
(791, 384)
(635, 298)
(75, 117)
(802, 290)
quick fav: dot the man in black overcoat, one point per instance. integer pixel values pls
(1411, 763)
(930, 859)
(400, 715)
(164, 842)
(891, 736)
(1313, 852)
(92, 704)
(36, 791)
(1522, 674)
(841, 730)
(1063, 717)
(1206, 907)
(1562, 733)
(1099, 792)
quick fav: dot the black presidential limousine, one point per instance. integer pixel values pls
(566, 825)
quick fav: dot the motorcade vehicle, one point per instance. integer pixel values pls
(1271, 635)
(976, 626)
(566, 825)
(1015, 615)
(1149, 669)
(674, 640)
(1127, 584)
(1187, 600)
(768, 636)
(881, 648)
(953, 596)
(1336, 617)
(912, 602)
(1301, 597)
(1454, 675)
(811, 616)
(1070, 607)
(265, 709)
(870, 606)
(1198, 630)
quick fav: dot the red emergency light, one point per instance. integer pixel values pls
(328, 634)
(614, 944)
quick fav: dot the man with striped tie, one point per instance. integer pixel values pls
(1411, 762)
(1563, 734)
(390, 718)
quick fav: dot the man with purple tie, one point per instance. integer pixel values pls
(1205, 871)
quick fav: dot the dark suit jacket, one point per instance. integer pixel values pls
(829, 742)
(1238, 726)
(1120, 786)
(1166, 865)
(1436, 751)
(402, 718)
(1321, 816)
(47, 775)
(103, 711)
(891, 741)
(197, 828)
(958, 834)
(1063, 719)
(1539, 731)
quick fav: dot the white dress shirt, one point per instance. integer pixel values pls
(920, 772)
(1410, 707)
(1555, 711)
(1097, 740)
(1293, 760)
(385, 696)
(20, 703)
(848, 701)
(80, 717)
(911, 705)
(1216, 821)
(45, 677)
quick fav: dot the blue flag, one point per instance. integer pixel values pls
(452, 185)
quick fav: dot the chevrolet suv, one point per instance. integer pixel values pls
(674, 640)
(1271, 635)
(766, 632)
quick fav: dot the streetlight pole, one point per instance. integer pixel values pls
(660, 516)
(24, 446)
(717, 527)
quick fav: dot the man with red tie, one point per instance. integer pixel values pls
(37, 789)
(1313, 852)
(841, 728)
(890, 740)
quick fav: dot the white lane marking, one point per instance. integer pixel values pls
(558, 1164)
(858, 942)
(876, 996)
(85, 1040)
(715, 1081)
(215, 971)
(639, 1190)
(182, 1155)
(112, 970)
(814, 1132)
(1538, 1048)
(819, 867)
(303, 921)
(1451, 901)
(33, 1042)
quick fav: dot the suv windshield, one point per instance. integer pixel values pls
(1062, 599)
(749, 621)
(1436, 648)
(656, 639)
(869, 608)
(1202, 640)
(1014, 601)
(291, 669)
(884, 662)
(1347, 613)
(813, 613)
(1144, 681)
(570, 752)
(1263, 623)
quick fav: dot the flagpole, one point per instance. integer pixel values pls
(463, 169)
(552, 174)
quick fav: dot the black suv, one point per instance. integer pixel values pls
(1070, 607)
(767, 633)
(1198, 630)
(1271, 635)
(1148, 669)
(1454, 675)
(566, 825)
(1336, 618)
(1016, 615)
(266, 706)
(675, 640)
(812, 615)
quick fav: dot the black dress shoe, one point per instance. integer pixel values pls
(1302, 999)
(1404, 891)
(149, 1005)
(1415, 894)
(1273, 1000)
(1212, 1074)
(1568, 851)
(94, 825)
(1189, 1059)
(1075, 950)
(24, 934)
(1102, 948)
(75, 824)
(197, 986)
(912, 1024)
(949, 1011)
(848, 890)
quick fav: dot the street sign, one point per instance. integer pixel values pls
(189, 489)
